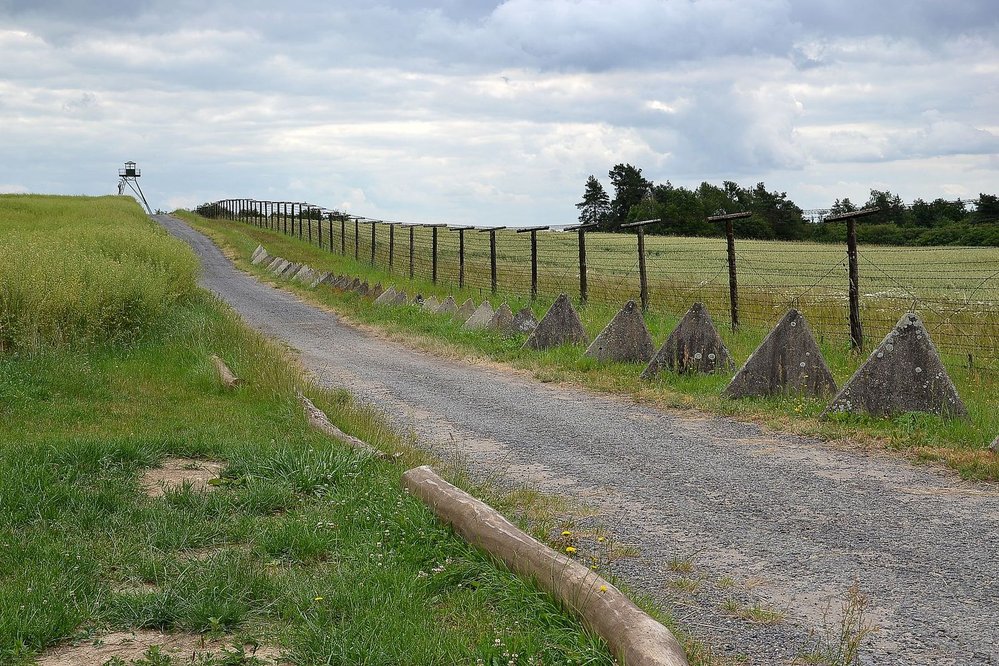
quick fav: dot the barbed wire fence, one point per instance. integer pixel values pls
(955, 290)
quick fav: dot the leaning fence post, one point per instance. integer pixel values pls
(643, 279)
(581, 231)
(492, 256)
(534, 256)
(733, 282)
(856, 328)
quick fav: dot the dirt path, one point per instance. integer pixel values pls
(782, 522)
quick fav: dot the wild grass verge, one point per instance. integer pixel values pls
(300, 543)
(958, 443)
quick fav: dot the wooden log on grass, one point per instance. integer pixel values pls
(226, 376)
(633, 636)
(319, 420)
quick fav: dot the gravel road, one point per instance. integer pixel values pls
(767, 521)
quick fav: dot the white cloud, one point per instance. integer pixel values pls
(475, 112)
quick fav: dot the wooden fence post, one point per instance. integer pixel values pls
(374, 224)
(856, 328)
(581, 231)
(357, 237)
(643, 278)
(461, 253)
(412, 243)
(343, 235)
(492, 257)
(733, 281)
(391, 244)
(534, 257)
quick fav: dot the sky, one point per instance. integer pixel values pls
(492, 113)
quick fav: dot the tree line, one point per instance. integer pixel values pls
(684, 212)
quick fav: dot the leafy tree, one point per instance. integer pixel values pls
(595, 206)
(630, 189)
(845, 206)
(780, 213)
(988, 208)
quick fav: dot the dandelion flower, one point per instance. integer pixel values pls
(566, 533)
(317, 598)
(603, 588)
(600, 539)
(570, 550)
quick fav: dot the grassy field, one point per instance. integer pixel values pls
(959, 443)
(955, 290)
(301, 544)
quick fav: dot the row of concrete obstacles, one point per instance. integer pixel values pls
(904, 373)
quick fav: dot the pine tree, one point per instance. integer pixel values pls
(595, 206)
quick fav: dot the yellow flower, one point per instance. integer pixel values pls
(603, 588)
(600, 539)
(570, 550)
(566, 533)
(317, 599)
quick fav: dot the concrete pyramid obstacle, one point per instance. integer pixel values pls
(290, 270)
(480, 318)
(256, 253)
(466, 309)
(787, 361)
(353, 285)
(904, 374)
(272, 264)
(400, 299)
(560, 325)
(376, 291)
(693, 346)
(278, 265)
(386, 297)
(994, 446)
(260, 256)
(431, 304)
(319, 279)
(448, 307)
(502, 320)
(362, 289)
(304, 274)
(523, 322)
(625, 339)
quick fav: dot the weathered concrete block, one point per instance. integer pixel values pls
(278, 265)
(787, 361)
(480, 318)
(400, 299)
(290, 270)
(524, 321)
(318, 280)
(304, 274)
(466, 309)
(376, 291)
(387, 296)
(693, 346)
(260, 257)
(362, 289)
(353, 285)
(560, 325)
(502, 320)
(272, 264)
(256, 253)
(448, 307)
(625, 339)
(994, 446)
(904, 374)
(431, 304)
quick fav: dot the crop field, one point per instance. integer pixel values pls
(955, 290)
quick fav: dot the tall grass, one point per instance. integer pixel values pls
(78, 270)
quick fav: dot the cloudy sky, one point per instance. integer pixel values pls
(495, 113)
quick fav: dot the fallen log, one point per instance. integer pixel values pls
(226, 376)
(633, 636)
(319, 420)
